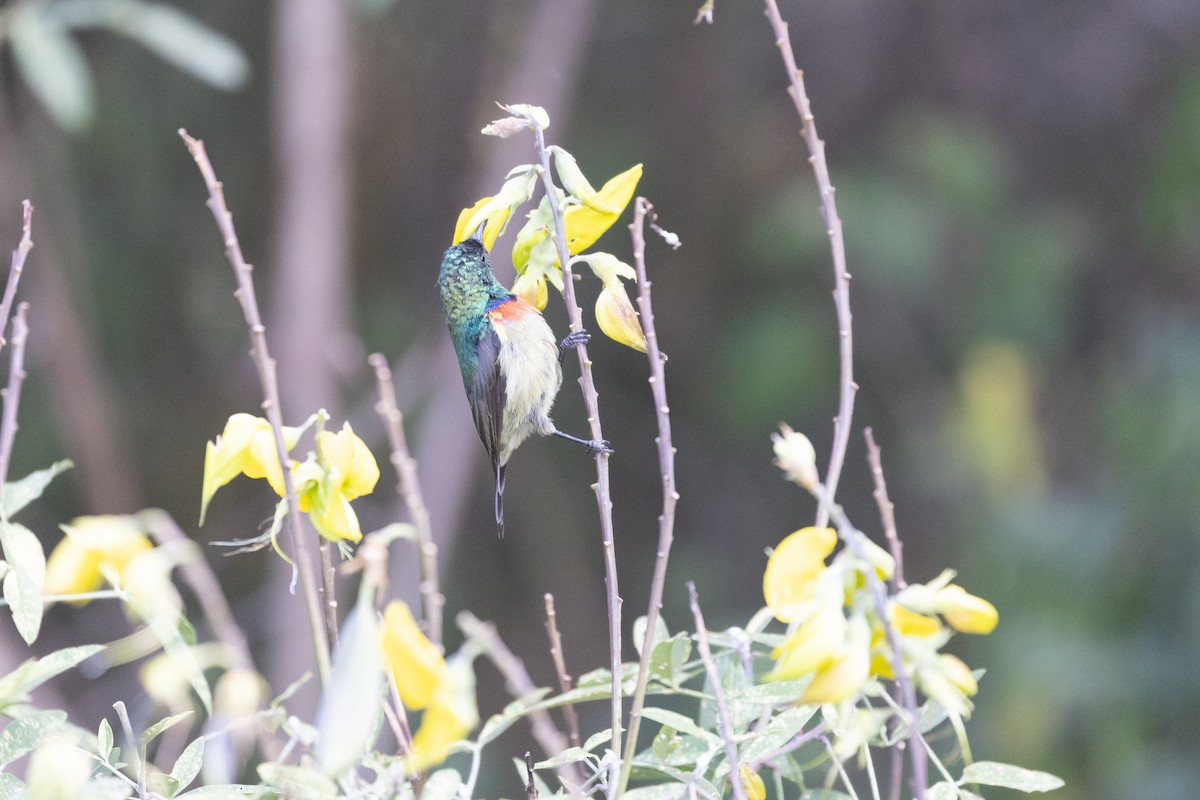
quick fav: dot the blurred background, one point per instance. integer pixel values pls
(1020, 188)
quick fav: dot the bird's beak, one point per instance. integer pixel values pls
(477, 236)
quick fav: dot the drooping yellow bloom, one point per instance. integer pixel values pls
(752, 783)
(790, 578)
(245, 447)
(451, 715)
(496, 210)
(812, 647)
(576, 184)
(343, 470)
(910, 623)
(614, 311)
(416, 663)
(949, 681)
(846, 673)
(965, 612)
(583, 224)
(93, 545)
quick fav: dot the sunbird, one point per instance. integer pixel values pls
(508, 356)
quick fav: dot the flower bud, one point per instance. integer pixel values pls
(795, 455)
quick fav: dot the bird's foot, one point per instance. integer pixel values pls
(573, 340)
(598, 447)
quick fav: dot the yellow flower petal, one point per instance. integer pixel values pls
(576, 184)
(790, 577)
(752, 783)
(812, 647)
(585, 225)
(965, 612)
(354, 469)
(532, 289)
(336, 520)
(910, 623)
(74, 566)
(416, 663)
(618, 319)
(846, 674)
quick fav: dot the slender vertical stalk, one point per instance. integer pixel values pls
(408, 486)
(592, 404)
(666, 467)
(12, 393)
(265, 365)
(887, 509)
(560, 668)
(18, 266)
(710, 666)
(833, 227)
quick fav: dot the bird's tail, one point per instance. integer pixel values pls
(500, 500)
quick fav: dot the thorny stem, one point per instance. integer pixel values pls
(591, 402)
(270, 386)
(833, 225)
(560, 668)
(408, 486)
(18, 266)
(908, 696)
(12, 393)
(666, 465)
(887, 509)
(710, 666)
(519, 684)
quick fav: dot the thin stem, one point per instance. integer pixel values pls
(841, 769)
(270, 385)
(329, 591)
(795, 743)
(18, 266)
(560, 668)
(408, 486)
(519, 684)
(591, 401)
(833, 225)
(887, 509)
(12, 393)
(854, 540)
(666, 465)
(710, 666)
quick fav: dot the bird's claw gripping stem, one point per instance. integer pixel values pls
(597, 447)
(573, 340)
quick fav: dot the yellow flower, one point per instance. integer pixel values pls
(452, 714)
(343, 470)
(416, 663)
(614, 311)
(576, 184)
(812, 647)
(752, 783)
(495, 211)
(532, 289)
(92, 546)
(965, 612)
(948, 681)
(910, 623)
(583, 224)
(793, 568)
(245, 447)
(846, 673)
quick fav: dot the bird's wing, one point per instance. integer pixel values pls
(487, 393)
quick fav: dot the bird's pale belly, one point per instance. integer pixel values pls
(532, 377)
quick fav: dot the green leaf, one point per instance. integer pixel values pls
(16, 685)
(24, 735)
(943, 790)
(668, 658)
(180, 40)
(679, 722)
(163, 620)
(991, 773)
(19, 494)
(187, 766)
(230, 792)
(597, 739)
(27, 573)
(53, 65)
(661, 634)
(824, 794)
(292, 688)
(661, 791)
(348, 716)
(154, 730)
(161, 784)
(442, 785)
(10, 787)
(104, 740)
(963, 794)
(297, 783)
(778, 732)
(571, 755)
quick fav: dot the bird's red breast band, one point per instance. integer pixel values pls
(511, 310)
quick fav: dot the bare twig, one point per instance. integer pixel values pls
(710, 666)
(270, 385)
(591, 401)
(531, 791)
(408, 486)
(18, 266)
(519, 684)
(12, 393)
(560, 668)
(329, 591)
(666, 466)
(887, 509)
(833, 225)
(795, 743)
(854, 539)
